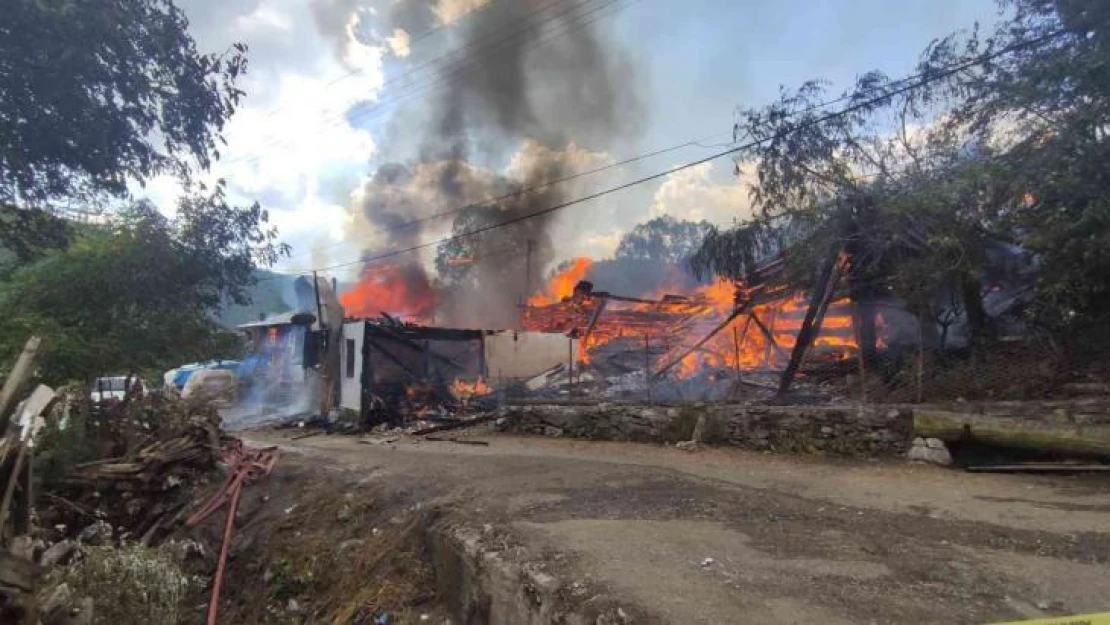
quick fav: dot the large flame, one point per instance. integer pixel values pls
(675, 321)
(402, 291)
(561, 286)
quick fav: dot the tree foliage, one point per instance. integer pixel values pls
(664, 239)
(97, 94)
(139, 293)
(998, 139)
(94, 97)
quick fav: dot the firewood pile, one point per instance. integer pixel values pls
(158, 465)
(145, 489)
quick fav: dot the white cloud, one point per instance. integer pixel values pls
(399, 42)
(451, 11)
(694, 195)
(289, 145)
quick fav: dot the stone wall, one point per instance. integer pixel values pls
(843, 430)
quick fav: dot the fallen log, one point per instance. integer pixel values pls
(1018, 433)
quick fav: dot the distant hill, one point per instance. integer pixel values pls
(272, 293)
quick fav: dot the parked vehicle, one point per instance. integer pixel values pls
(114, 388)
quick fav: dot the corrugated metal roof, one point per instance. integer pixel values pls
(280, 319)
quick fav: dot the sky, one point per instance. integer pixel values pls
(333, 93)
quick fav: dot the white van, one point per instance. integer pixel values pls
(114, 388)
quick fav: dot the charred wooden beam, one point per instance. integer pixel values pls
(767, 334)
(823, 291)
(388, 333)
(593, 319)
(724, 324)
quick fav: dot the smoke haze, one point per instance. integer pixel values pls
(535, 83)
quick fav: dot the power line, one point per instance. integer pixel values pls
(451, 74)
(628, 161)
(924, 80)
(523, 191)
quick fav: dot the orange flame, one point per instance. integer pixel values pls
(561, 286)
(465, 391)
(677, 323)
(401, 291)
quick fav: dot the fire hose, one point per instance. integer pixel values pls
(243, 464)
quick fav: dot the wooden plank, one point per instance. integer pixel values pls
(18, 377)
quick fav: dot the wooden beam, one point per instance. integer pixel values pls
(21, 372)
(593, 319)
(767, 334)
(724, 324)
(815, 314)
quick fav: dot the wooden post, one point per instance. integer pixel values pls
(16, 379)
(736, 340)
(530, 246)
(570, 363)
(9, 489)
(647, 367)
(920, 359)
(862, 363)
(815, 314)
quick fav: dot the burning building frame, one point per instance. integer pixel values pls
(773, 327)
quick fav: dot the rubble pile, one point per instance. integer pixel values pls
(145, 487)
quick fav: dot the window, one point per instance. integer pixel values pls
(350, 358)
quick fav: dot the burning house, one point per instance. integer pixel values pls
(719, 331)
(392, 370)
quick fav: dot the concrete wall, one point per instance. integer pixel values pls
(843, 430)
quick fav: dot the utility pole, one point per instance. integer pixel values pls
(528, 250)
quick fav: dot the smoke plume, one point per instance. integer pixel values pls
(533, 83)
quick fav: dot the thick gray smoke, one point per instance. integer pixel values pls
(532, 82)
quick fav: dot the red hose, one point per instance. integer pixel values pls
(243, 464)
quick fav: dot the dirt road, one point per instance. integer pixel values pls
(726, 536)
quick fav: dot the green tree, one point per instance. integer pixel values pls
(97, 94)
(916, 177)
(1043, 110)
(141, 293)
(663, 239)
